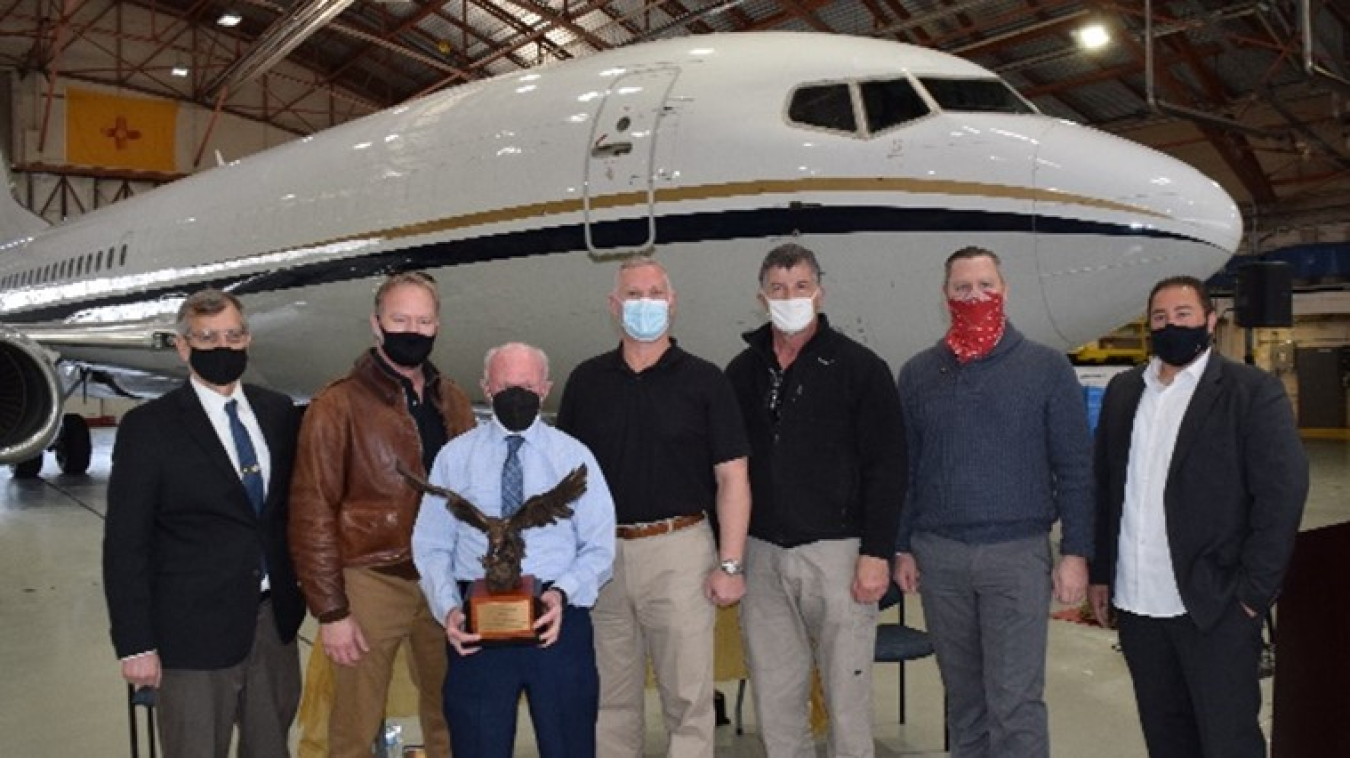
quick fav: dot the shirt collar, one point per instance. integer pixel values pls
(1190, 374)
(671, 354)
(429, 375)
(531, 432)
(213, 401)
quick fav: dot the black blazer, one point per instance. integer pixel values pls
(182, 548)
(1235, 487)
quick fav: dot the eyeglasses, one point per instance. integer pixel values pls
(216, 337)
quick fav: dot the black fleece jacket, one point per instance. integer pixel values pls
(827, 442)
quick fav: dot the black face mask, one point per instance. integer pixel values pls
(220, 366)
(407, 349)
(515, 408)
(1179, 345)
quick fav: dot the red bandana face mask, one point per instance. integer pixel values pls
(977, 325)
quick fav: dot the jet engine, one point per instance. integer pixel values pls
(30, 398)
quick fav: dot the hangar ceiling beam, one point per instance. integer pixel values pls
(283, 36)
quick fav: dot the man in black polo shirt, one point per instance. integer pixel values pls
(667, 432)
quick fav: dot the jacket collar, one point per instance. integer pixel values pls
(201, 430)
(1202, 402)
(371, 371)
(761, 340)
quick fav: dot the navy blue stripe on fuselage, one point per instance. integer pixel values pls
(670, 230)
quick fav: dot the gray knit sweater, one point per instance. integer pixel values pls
(999, 448)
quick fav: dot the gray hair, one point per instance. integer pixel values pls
(789, 256)
(207, 302)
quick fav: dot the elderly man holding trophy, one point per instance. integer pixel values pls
(514, 539)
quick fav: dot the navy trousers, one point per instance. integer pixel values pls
(482, 691)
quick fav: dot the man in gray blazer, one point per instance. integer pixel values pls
(1201, 481)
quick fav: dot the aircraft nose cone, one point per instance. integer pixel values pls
(1113, 216)
(1135, 185)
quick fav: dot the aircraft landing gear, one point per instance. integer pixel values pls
(28, 469)
(74, 447)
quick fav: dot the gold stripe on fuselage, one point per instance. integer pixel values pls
(727, 190)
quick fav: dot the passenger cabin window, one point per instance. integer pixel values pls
(826, 106)
(890, 103)
(975, 95)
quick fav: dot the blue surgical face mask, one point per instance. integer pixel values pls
(645, 320)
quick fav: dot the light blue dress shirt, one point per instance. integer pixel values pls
(576, 554)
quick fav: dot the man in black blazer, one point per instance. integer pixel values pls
(201, 594)
(1201, 481)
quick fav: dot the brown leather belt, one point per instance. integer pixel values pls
(653, 528)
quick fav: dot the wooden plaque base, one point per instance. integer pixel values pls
(505, 618)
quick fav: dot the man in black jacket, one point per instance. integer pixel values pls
(827, 478)
(202, 598)
(1201, 481)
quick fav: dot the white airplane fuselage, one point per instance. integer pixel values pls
(517, 193)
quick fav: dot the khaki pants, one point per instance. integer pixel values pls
(797, 606)
(655, 607)
(388, 610)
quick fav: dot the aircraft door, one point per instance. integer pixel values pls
(620, 195)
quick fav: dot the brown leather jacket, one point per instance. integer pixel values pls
(349, 505)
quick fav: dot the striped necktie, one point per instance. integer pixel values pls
(513, 479)
(249, 470)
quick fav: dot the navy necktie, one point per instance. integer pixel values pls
(249, 470)
(513, 479)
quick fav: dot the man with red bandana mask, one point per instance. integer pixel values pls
(998, 451)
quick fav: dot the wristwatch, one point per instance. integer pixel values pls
(731, 567)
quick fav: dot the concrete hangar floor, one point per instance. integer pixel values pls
(62, 695)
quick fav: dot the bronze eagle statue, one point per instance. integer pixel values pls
(506, 547)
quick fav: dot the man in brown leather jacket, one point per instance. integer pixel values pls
(352, 515)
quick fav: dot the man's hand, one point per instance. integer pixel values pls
(1070, 579)
(142, 671)
(870, 579)
(723, 589)
(1099, 595)
(549, 625)
(463, 642)
(906, 573)
(343, 641)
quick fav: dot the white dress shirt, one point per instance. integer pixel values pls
(1146, 583)
(214, 404)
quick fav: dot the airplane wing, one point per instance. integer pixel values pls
(154, 334)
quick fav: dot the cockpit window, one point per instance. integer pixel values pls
(892, 102)
(977, 95)
(826, 106)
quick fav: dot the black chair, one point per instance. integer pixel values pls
(896, 643)
(900, 643)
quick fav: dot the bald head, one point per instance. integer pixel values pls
(516, 364)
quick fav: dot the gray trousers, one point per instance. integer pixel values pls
(798, 607)
(987, 609)
(199, 709)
